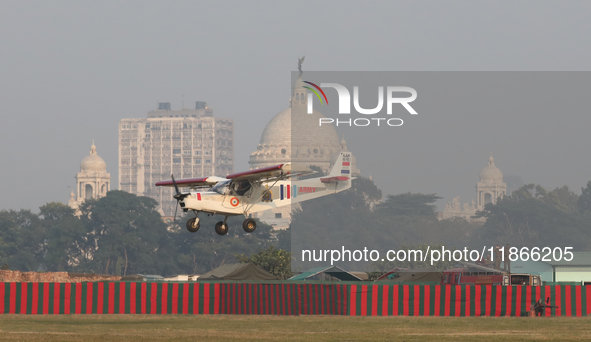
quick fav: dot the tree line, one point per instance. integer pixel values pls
(123, 234)
(120, 234)
(358, 218)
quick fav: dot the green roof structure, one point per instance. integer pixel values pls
(238, 272)
(332, 271)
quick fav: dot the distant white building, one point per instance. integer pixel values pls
(187, 143)
(490, 188)
(491, 185)
(92, 181)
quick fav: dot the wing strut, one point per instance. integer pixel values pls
(250, 205)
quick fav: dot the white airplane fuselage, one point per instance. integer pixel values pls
(283, 193)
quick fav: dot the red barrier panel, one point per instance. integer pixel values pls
(359, 299)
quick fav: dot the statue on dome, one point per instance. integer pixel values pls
(300, 62)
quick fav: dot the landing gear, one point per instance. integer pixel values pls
(249, 225)
(193, 224)
(222, 227)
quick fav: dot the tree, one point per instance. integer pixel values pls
(64, 237)
(333, 221)
(409, 204)
(531, 222)
(200, 252)
(127, 230)
(561, 198)
(584, 202)
(273, 260)
(283, 237)
(21, 240)
(528, 191)
(352, 220)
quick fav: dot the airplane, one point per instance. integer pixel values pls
(257, 190)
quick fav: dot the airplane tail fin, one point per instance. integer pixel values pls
(342, 166)
(340, 174)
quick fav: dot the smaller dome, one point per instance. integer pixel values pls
(92, 162)
(491, 173)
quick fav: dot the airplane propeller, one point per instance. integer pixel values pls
(178, 196)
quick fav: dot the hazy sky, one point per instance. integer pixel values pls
(70, 70)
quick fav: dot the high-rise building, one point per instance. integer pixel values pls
(187, 143)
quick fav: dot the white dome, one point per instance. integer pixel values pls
(92, 162)
(293, 135)
(491, 173)
(305, 131)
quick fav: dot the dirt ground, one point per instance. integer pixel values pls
(8, 276)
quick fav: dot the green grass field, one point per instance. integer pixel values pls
(279, 328)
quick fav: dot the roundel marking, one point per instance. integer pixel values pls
(267, 196)
(234, 201)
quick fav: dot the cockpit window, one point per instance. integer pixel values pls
(221, 187)
(241, 187)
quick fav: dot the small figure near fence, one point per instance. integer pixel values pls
(539, 307)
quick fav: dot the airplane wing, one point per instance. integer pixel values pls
(192, 182)
(282, 170)
(333, 179)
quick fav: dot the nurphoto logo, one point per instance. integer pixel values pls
(345, 104)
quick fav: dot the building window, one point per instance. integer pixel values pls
(278, 215)
(283, 151)
(88, 190)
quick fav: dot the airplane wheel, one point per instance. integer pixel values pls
(193, 224)
(249, 225)
(221, 228)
